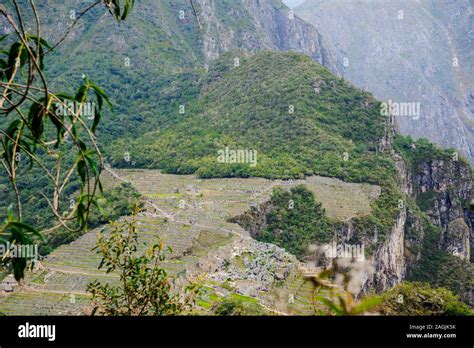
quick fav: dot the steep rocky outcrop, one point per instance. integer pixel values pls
(407, 51)
(256, 25)
(432, 229)
(389, 259)
(155, 27)
(443, 190)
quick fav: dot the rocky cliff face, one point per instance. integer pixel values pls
(225, 25)
(443, 190)
(407, 51)
(437, 193)
(256, 25)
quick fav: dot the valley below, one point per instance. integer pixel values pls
(191, 216)
(276, 176)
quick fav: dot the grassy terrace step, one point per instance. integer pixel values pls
(43, 303)
(301, 290)
(192, 220)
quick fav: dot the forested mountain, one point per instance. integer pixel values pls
(148, 63)
(407, 51)
(298, 119)
(243, 89)
(152, 63)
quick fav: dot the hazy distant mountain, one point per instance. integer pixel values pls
(407, 51)
(293, 3)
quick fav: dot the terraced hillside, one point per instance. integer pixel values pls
(190, 215)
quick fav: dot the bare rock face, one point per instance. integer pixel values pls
(389, 259)
(456, 239)
(259, 25)
(444, 190)
(407, 51)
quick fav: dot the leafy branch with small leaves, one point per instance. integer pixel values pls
(340, 301)
(144, 287)
(45, 126)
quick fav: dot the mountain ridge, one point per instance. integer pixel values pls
(407, 51)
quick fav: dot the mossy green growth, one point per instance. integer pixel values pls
(421, 299)
(295, 221)
(236, 306)
(440, 268)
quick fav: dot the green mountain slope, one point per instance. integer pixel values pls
(148, 63)
(297, 116)
(178, 110)
(292, 115)
(299, 120)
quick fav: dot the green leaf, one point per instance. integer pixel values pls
(19, 266)
(42, 41)
(93, 165)
(101, 92)
(64, 96)
(117, 9)
(81, 93)
(81, 169)
(82, 145)
(41, 53)
(97, 115)
(101, 188)
(81, 214)
(12, 128)
(28, 228)
(35, 117)
(127, 8)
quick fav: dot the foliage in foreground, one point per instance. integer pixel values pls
(40, 128)
(113, 204)
(340, 302)
(144, 287)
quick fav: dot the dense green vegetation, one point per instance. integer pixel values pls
(144, 287)
(37, 121)
(295, 221)
(300, 118)
(129, 69)
(440, 268)
(234, 306)
(306, 121)
(417, 151)
(114, 203)
(421, 299)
